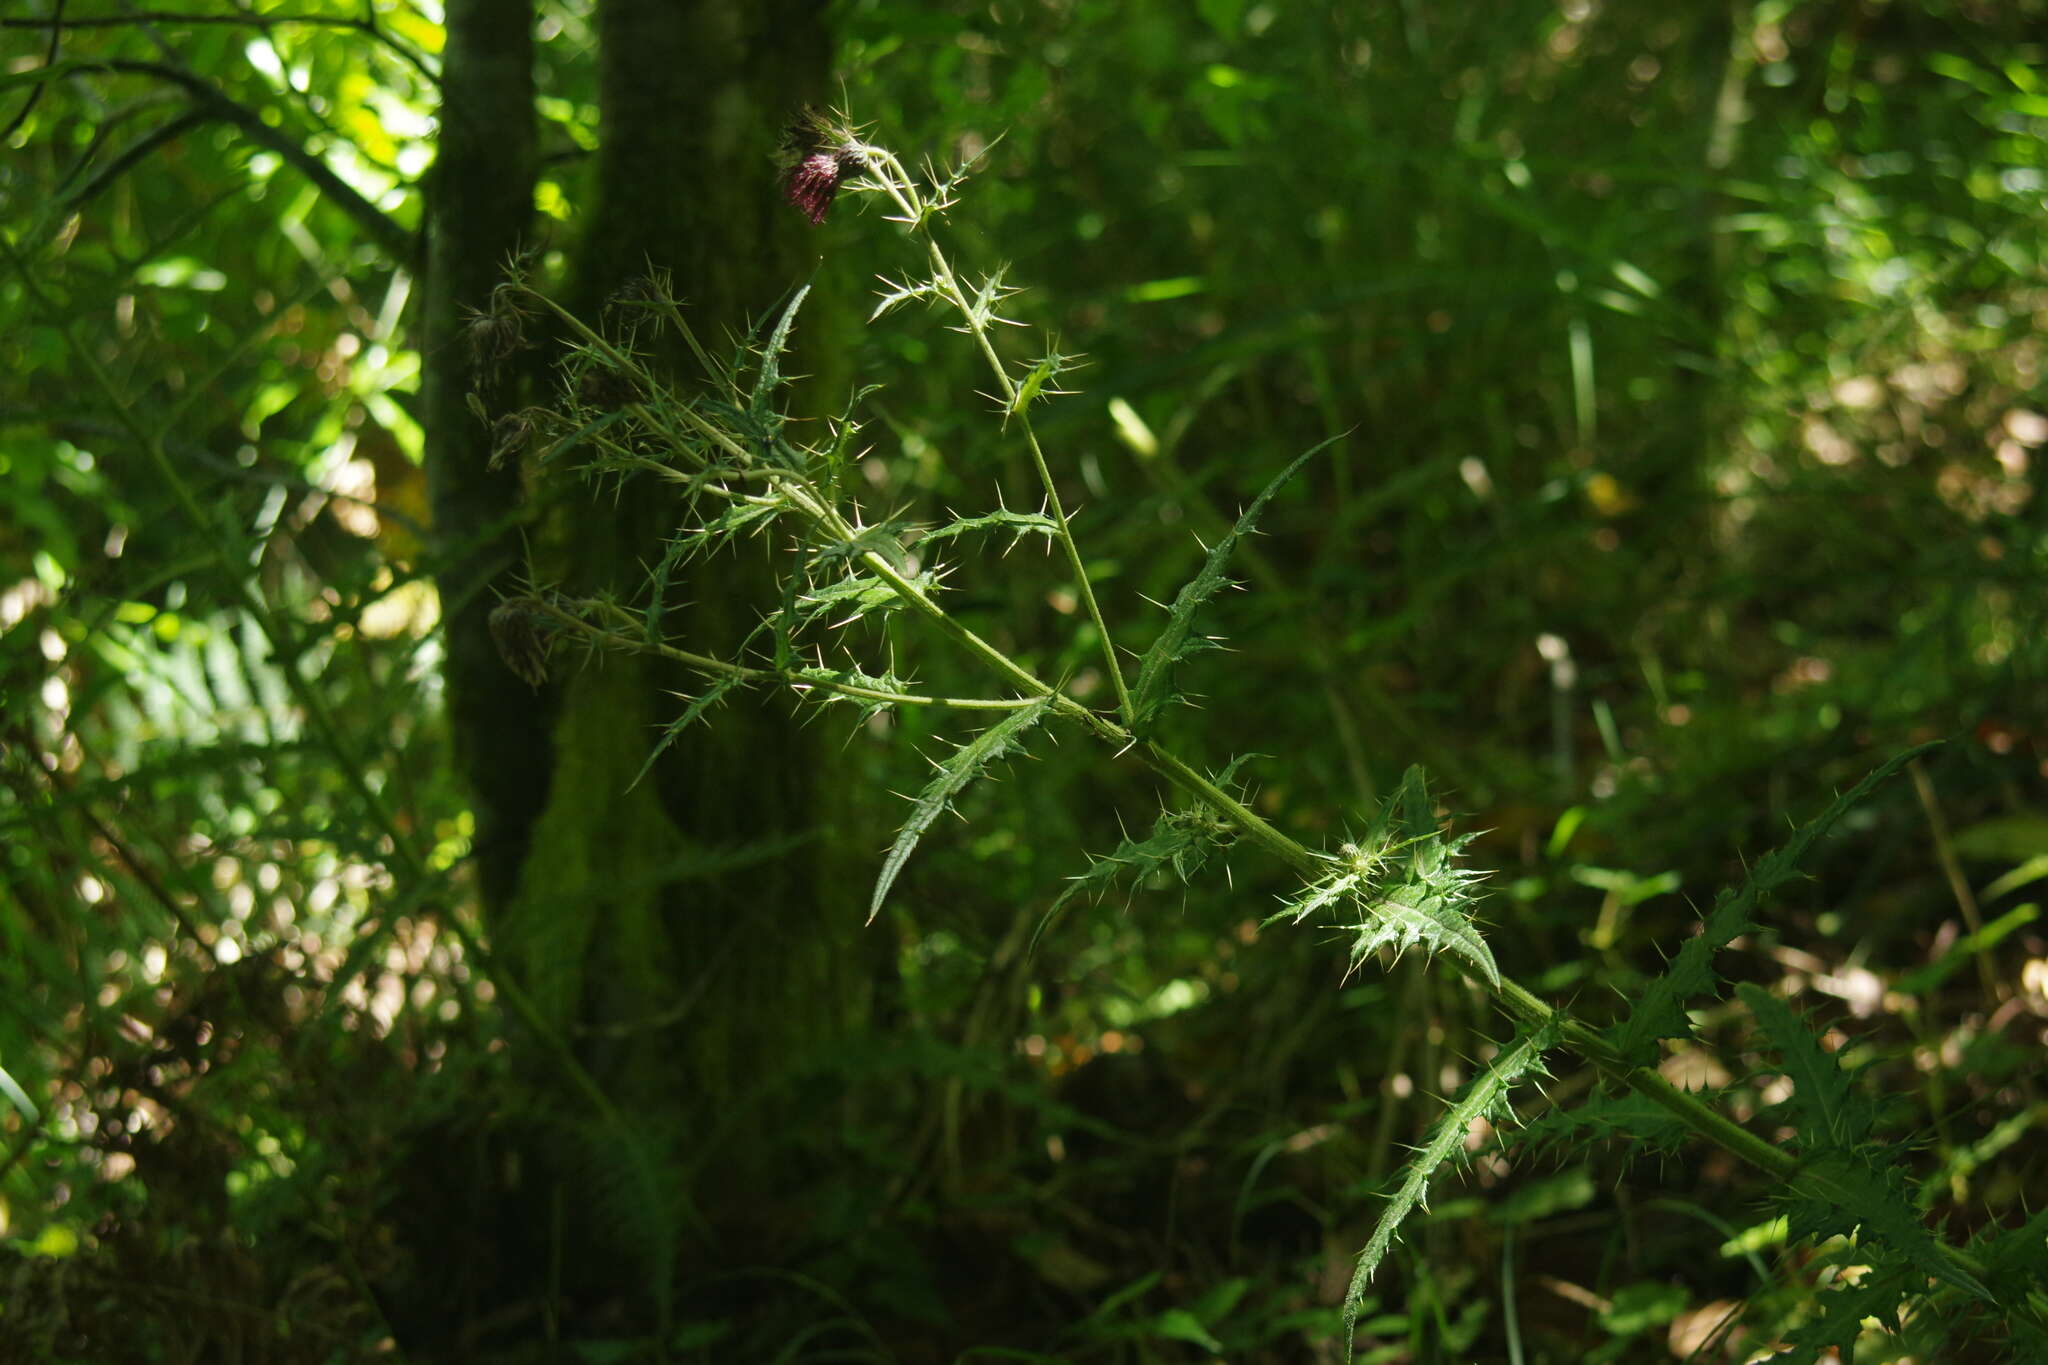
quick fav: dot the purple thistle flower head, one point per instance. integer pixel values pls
(814, 181)
(818, 151)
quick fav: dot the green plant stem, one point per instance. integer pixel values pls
(790, 678)
(1514, 998)
(903, 190)
(809, 503)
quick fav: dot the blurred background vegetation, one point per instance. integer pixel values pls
(1688, 365)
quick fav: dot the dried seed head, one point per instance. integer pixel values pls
(492, 337)
(524, 633)
(510, 435)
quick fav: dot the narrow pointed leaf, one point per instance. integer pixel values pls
(1660, 1011)
(1178, 640)
(1484, 1097)
(694, 712)
(967, 763)
(770, 373)
(1019, 524)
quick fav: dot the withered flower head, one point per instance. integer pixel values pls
(524, 631)
(820, 158)
(606, 389)
(510, 435)
(651, 287)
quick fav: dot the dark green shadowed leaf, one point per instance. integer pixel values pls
(1154, 687)
(694, 712)
(967, 763)
(1828, 1106)
(1484, 1097)
(1660, 1011)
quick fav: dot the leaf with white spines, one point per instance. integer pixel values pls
(1484, 1097)
(1019, 524)
(1178, 640)
(1403, 878)
(1180, 839)
(969, 761)
(1659, 1011)
(694, 712)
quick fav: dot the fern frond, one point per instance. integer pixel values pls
(967, 763)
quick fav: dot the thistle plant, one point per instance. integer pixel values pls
(1397, 883)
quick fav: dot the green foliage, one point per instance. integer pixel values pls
(966, 763)
(1181, 842)
(1405, 879)
(1660, 1012)
(1484, 1099)
(1177, 640)
(1693, 361)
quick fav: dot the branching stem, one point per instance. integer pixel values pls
(918, 217)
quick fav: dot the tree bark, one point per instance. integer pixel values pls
(687, 997)
(480, 202)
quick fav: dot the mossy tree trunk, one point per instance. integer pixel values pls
(687, 996)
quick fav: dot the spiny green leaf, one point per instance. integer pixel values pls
(1660, 1011)
(570, 441)
(1861, 1193)
(1181, 840)
(735, 518)
(1036, 382)
(902, 293)
(2021, 1251)
(702, 703)
(1177, 641)
(1019, 524)
(1627, 1116)
(1822, 1096)
(989, 296)
(1484, 1097)
(1404, 876)
(1435, 923)
(858, 595)
(1843, 1311)
(967, 763)
(826, 694)
(834, 455)
(770, 373)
